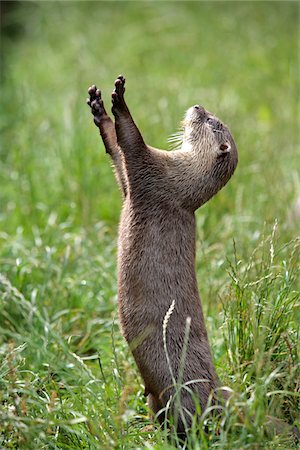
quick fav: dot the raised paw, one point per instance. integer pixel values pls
(96, 104)
(117, 95)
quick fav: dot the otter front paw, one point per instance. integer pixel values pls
(96, 104)
(117, 96)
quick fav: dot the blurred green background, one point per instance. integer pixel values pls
(237, 59)
(60, 204)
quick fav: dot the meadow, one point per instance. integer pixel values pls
(67, 378)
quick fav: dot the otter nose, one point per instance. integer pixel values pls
(199, 107)
(200, 110)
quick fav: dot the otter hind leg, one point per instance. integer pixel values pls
(155, 406)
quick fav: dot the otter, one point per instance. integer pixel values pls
(156, 251)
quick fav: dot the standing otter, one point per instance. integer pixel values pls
(156, 250)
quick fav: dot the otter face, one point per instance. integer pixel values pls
(210, 136)
(213, 151)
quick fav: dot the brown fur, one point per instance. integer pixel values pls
(156, 250)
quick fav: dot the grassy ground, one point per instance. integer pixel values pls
(67, 379)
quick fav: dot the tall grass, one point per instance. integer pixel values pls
(67, 379)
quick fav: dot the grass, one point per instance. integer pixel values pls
(67, 379)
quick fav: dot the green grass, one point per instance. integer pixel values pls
(67, 379)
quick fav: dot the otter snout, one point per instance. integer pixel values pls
(196, 113)
(199, 109)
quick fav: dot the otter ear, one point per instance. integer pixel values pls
(224, 148)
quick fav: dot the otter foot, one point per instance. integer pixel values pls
(96, 104)
(117, 96)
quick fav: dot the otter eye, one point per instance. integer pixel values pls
(215, 124)
(196, 106)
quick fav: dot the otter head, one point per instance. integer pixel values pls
(214, 151)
